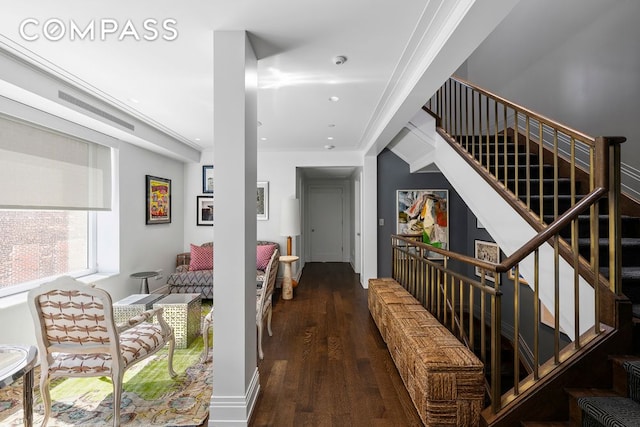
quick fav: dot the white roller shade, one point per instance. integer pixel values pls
(43, 169)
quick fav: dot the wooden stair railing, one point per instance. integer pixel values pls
(487, 131)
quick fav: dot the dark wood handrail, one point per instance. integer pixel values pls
(526, 249)
(532, 114)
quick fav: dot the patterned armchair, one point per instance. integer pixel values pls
(264, 300)
(77, 337)
(264, 294)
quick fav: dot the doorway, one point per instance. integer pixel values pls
(326, 225)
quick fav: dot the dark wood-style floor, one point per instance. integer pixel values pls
(326, 363)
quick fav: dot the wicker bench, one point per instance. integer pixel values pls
(444, 379)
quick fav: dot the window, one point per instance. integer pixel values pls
(37, 245)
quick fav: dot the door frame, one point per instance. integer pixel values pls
(342, 184)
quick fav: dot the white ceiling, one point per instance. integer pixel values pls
(295, 42)
(389, 45)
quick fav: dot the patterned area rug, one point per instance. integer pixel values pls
(150, 396)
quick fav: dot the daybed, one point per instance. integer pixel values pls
(194, 270)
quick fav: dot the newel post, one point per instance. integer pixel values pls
(612, 146)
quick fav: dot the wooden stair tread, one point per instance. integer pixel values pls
(545, 424)
(592, 392)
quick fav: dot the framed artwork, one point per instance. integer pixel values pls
(262, 208)
(511, 275)
(489, 252)
(204, 210)
(158, 203)
(426, 213)
(207, 179)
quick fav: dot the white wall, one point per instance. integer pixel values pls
(142, 247)
(581, 70)
(146, 247)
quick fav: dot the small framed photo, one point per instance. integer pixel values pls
(262, 208)
(489, 252)
(204, 210)
(158, 200)
(511, 275)
(207, 179)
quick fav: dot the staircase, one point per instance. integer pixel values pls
(618, 405)
(559, 192)
(630, 224)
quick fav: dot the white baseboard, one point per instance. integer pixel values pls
(234, 411)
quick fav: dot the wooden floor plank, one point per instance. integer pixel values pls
(326, 363)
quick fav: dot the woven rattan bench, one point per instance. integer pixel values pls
(443, 377)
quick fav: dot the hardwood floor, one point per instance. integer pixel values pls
(326, 363)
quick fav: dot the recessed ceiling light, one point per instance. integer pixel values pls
(339, 60)
(259, 123)
(197, 139)
(329, 147)
(331, 125)
(330, 138)
(264, 138)
(134, 100)
(334, 99)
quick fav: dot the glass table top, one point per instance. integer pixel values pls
(15, 361)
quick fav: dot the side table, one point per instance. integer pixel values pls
(287, 284)
(183, 313)
(144, 283)
(17, 361)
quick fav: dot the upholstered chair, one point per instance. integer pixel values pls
(263, 306)
(264, 300)
(77, 337)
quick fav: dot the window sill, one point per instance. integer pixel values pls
(21, 297)
(95, 278)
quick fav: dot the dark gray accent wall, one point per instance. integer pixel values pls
(393, 175)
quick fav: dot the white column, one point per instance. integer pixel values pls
(369, 219)
(235, 374)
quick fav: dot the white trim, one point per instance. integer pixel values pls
(234, 410)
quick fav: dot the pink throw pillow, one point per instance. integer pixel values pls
(263, 255)
(201, 258)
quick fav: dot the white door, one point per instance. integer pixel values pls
(325, 224)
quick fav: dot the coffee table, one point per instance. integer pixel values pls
(183, 313)
(133, 305)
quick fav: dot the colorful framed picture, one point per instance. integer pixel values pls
(158, 203)
(489, 252)
(426, 213)
(204, 210)
(262, 208)
(207, 179)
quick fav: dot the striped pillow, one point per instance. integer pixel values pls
(263, 255)
(201, 258)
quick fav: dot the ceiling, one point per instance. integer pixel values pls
(169, 83)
